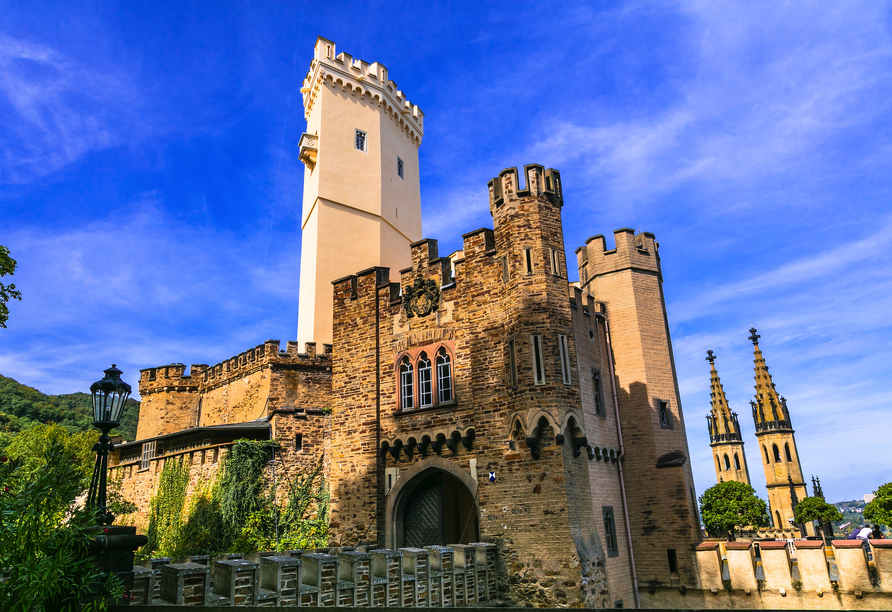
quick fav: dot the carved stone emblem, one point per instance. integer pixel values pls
(422, 298)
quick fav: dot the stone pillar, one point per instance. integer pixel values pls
(282, 575)
(321, 571)
(742, 566)
(184, 584)
(776, 565)
(466, 562)
(852, 565)
(487, 578)
(356, 567)
(388, 565)
(416, 565)
(238, 581)
(142, 591)
(882, 560)
(155, 565)
(442, 575)
(812, 563)
(709, 566)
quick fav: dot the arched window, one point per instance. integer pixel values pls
(407, 391)
(777, 458)
(444, 376)
(718, 464)
(777, 518)
(736, 462)
(787, 450)
(425, 383)
(727, 463)
(766, 454)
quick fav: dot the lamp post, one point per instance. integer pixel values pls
(109, 396)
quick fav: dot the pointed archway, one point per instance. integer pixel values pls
(433, 502)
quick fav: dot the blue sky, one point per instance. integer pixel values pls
(150, 188)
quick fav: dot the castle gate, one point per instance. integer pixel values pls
(433, 504)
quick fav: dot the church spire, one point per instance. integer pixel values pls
(722, 423)
(769, 409)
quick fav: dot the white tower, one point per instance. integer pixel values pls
(362, 197)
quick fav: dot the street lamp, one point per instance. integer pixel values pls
(109, 396)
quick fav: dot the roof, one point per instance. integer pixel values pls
(252, 427)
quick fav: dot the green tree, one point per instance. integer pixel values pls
(730, 506)
(880, 509)
(44, 534)
(7, 292)
(816, 509)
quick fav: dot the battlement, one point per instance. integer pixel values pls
(632, 251)
(506, 189)
(362, 79)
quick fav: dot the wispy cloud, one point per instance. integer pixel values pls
(53, 110)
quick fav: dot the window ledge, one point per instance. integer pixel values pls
(445, 406)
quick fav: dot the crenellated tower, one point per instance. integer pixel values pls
(724, 432)
(777, 446)
(362, 195)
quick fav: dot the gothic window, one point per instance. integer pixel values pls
(664, 414)
(565, 358)
(776, 451)
(399, 167)
(598, 393)
(425, 384)
(765, 450)
(727, 463)
(538, 360)
(778, 519)
(444, 376)
(736, 462)
(407, 392)
(361, 141)
(787, 450)
(610, 531)
(718, 464)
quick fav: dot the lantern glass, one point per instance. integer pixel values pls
(109, 397)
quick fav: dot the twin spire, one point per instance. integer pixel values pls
(769, 409)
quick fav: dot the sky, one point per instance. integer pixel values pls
(150, 188)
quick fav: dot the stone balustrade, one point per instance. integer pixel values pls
(435, 576)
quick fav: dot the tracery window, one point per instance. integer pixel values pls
(424, 377)
(407, 392)
(425, 384)
(444, 376)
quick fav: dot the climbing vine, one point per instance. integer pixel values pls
(166, 508)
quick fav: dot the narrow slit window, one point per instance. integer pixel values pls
(538, 365)
(528, 258)
(425, 382)
(664, 414)
(610, 531)
(361, 141)
(505, 274)
(407, 391)
(512, 364)
(399, 167)
(555, 262)
(299, 442)
(598, 393)
(673, 560)
(444, 376)
(565, 358)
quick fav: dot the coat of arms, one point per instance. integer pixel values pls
(421, 298)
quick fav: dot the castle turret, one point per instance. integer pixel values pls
(777, 444)
(724, 432)
(628, 280)
(362, 196)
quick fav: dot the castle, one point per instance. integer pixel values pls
(475, 397)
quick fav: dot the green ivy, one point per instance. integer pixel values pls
(166, 508)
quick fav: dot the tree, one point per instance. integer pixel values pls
(730, 506)
(816, 509)
(7, 292)
(880, 509)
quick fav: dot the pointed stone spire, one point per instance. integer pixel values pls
(769, 409)
(723, 424)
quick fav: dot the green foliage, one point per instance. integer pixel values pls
(21, 406)
(166, 508)
(879, 510)
(30, 448)
(815, 509)
(730, 506)
(7, 292)
(44, 535)
(235, 513)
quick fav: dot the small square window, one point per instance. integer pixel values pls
(399, 167)
(361, 142)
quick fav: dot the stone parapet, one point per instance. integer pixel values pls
(742, 565)
(851, 562)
